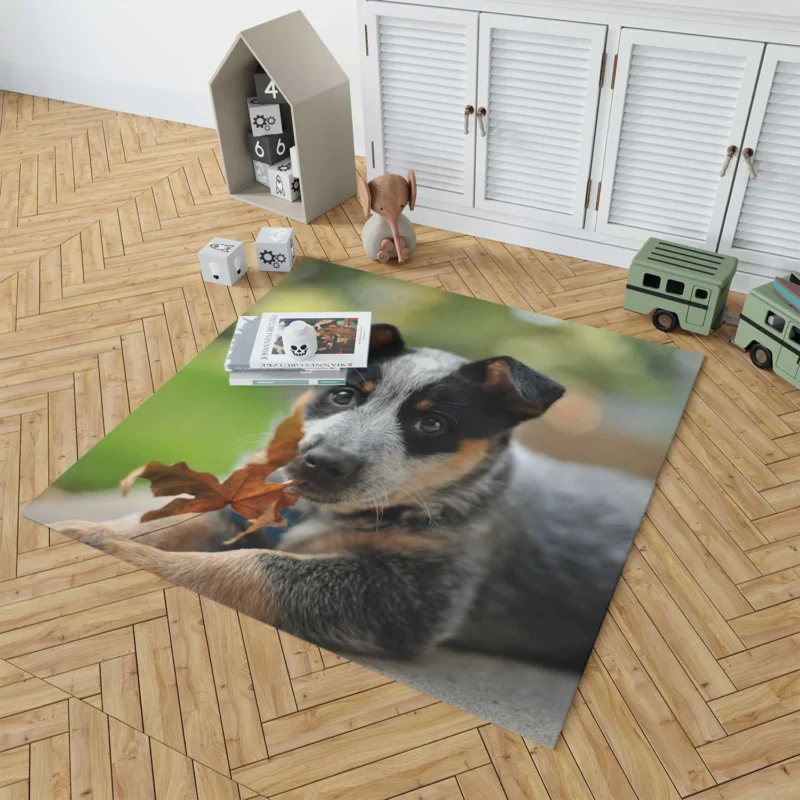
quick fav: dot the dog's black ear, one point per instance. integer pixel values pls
(517, 391)
(385, 340)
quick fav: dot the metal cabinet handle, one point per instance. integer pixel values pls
(481, 113)
(468, 111)
(747, 155)
(732, 150)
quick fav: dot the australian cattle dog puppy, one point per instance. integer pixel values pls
(421, 522)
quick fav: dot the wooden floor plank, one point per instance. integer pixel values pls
(131, 766)
(712, 626)
(355, 749)
(676, 687)
(50, 768)
(119, 680)
(172, 773)
(9, 503)
(202, 726)
(401, 773)
(753, 749)
(14, 765)
(641, 766)
(339, 716)
(271, 681)
(32, 726)
(161, 712)
(768, 624)
(659, 725)
(326, 685)
(686, 644)
(241, 722)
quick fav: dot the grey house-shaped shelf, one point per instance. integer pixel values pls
(290, 51)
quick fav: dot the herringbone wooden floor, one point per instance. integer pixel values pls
(113, 684)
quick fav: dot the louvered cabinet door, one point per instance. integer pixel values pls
(762, 225)
(679, 102)
(421, 74)
(539, 84)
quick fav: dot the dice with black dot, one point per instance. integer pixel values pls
(223, 261)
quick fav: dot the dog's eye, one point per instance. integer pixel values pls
(430, 426)
(342, 397)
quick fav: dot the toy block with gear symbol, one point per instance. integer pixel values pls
(268, 118)
(276, 249)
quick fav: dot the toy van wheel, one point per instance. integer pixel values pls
(665, 320)
(760, 356)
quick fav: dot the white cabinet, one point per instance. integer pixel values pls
(538, 87)
(679, 103)
(423, 77)
(529, 99)
(589, 134)
(762, 225)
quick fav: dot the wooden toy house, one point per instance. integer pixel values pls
(290, 51)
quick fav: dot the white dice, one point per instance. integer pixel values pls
(276, 249)
(282, 183)
(262, 176)
(223, 261)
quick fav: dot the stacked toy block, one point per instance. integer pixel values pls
(271, 139)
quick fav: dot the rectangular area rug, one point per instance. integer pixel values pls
(466, 505)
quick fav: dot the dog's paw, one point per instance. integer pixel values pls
(94, 532)
(91, 533)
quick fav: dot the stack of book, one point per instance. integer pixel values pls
(298, 348)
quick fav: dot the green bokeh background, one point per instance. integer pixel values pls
(197, 417)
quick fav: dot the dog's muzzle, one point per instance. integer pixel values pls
(327, 468)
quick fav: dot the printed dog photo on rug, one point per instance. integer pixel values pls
(456, 517)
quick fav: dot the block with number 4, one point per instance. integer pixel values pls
(267, 90)
(270, 149)
(223, 261)
(282, 182)
(276, 249)
(268, 117)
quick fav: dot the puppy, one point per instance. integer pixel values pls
(421, 522)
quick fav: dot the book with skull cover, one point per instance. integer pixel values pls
(328, 340)
(237, 363)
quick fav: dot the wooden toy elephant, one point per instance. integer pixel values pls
(388, 233)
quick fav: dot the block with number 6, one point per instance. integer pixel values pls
(267, 90)
(270, 149)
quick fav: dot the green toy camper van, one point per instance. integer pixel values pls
(680, 286)
(769, 328)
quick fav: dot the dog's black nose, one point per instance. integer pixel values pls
(330, 464)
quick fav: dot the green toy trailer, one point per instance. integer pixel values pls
(680, 286)
(687, 287)
(769, 329)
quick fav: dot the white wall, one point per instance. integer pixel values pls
(151, 57)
